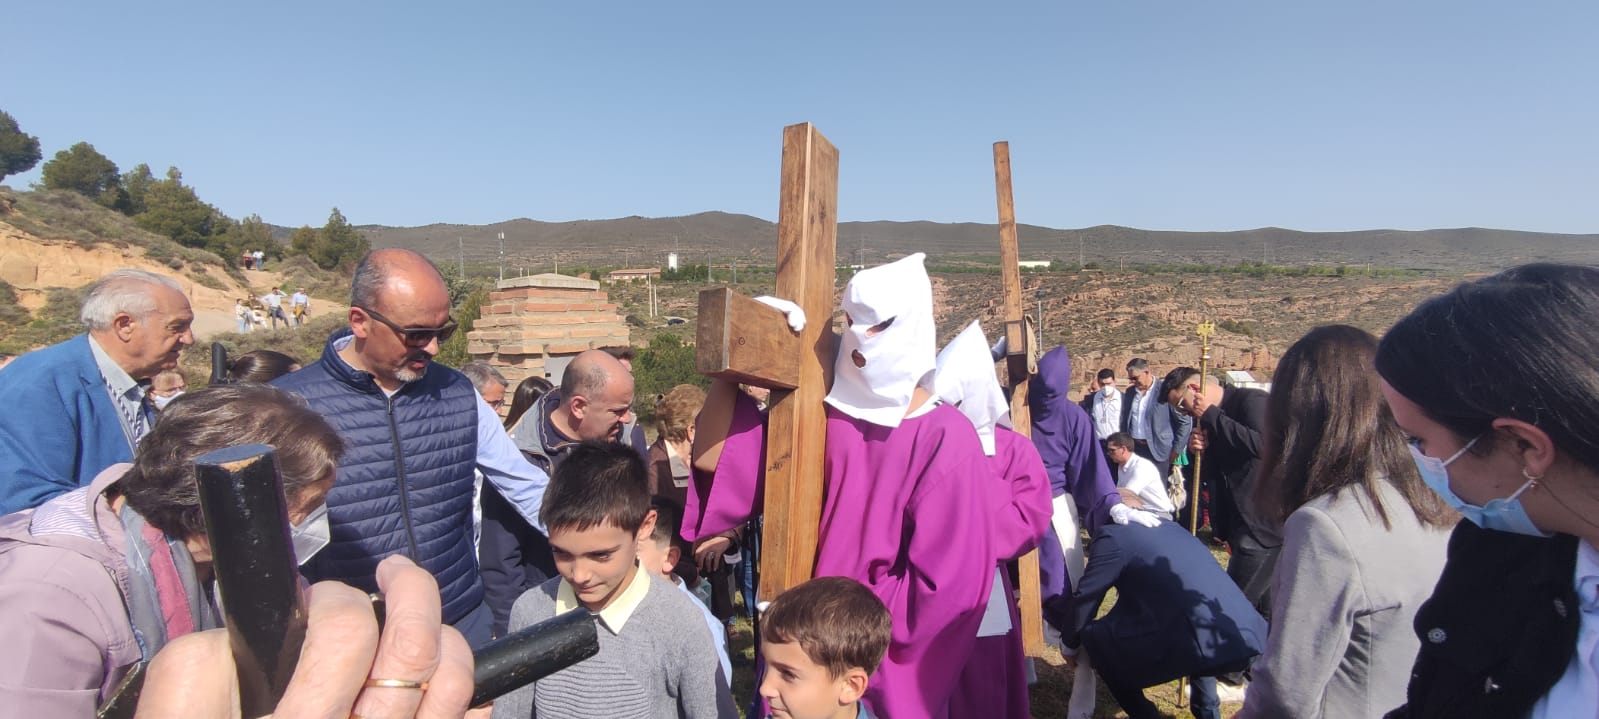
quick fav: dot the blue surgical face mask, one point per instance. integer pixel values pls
(1504, 515)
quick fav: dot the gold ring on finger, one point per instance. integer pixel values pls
(395, 684)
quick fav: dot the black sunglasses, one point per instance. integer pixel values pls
(417, 336)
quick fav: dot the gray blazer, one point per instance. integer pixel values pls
(1171, 430)
(1343, 600)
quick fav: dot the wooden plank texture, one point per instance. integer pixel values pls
(1018, 364)
(807, 235)
(741, 340)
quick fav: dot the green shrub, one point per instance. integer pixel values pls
(666, 363)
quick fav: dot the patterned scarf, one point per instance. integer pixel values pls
(165, 598)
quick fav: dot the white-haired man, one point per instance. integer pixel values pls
(78, 407)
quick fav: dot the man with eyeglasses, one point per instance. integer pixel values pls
(414, 432)
(488, 382)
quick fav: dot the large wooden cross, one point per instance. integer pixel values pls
(1019, 368)
(741, 340)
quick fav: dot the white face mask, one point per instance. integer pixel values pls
(311, 534)
(1108, 391)
(161, 402)
(896, 358)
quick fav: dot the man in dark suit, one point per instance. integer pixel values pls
(1228, 423)
(1177, 614)
(1138, 407)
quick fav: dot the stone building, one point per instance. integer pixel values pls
(535, 325)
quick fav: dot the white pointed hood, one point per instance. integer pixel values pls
(966, 378)
(895, 359)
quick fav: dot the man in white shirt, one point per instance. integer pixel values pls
(1104, 405)
(299, 306)
(1138, 475)
(274, 307)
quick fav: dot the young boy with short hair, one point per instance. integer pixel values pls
(596, 512)
(661, 552)
(821, 641)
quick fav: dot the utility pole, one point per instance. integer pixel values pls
(1079, 252)
(502, 256)
(460, 245)
(1040, 314)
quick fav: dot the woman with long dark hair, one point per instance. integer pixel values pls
(261, 366)
(1363, 538)
(1497, 385)
(528, 391)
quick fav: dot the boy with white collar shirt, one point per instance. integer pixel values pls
(597, 511)
(659, 553)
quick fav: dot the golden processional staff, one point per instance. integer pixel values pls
(1205, 330)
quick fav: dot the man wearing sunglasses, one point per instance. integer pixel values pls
(414, 432)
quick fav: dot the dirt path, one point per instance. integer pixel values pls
(34, 267)
(212, 320)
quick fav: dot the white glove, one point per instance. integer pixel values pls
(795, 315)
(1000, 348)
(1124, 515)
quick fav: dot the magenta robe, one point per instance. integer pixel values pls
(993, 684)
(902, 514)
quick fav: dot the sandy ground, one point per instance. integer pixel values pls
(212, 318)
(33, 267)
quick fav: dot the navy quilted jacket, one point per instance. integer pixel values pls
(405, 481)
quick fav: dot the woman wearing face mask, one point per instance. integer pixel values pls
(1363, 538)
(104, 576)
(1497, 385)
(165, 386)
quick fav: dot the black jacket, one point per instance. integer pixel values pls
(1232, 455)
(1500, 628)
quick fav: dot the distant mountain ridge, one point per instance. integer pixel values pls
(725, 237)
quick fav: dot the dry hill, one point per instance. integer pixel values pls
(725, 237)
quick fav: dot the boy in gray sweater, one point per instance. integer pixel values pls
(597, 510)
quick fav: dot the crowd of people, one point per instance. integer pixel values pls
(1408, 522)
(254, 313)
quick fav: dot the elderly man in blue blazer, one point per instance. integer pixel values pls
(1177, 614)
(72, 409)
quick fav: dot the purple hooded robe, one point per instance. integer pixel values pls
(1064, 435)
(994, 683)
(897, 517)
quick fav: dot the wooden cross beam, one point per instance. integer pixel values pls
(1019, 368)
(742, 340)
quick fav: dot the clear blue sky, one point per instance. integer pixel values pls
(1167, 115)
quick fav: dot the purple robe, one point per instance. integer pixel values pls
(897, 516)
(993, 684)
(1064, 435)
